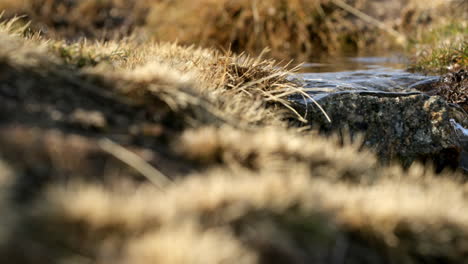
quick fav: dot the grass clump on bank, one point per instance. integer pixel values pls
(442, 49)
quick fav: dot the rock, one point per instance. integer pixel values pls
(403, 126)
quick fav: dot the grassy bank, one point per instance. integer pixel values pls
(441, 49)
(291, 29)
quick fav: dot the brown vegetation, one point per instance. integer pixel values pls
(133, 151)
(291, 29)
(77, 19)
(442, 49)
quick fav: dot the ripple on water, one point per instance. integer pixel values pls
(377, 74)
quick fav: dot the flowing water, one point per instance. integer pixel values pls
(373, 74)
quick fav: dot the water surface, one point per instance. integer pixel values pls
(376, 74)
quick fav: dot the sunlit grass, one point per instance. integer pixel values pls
(441, 49)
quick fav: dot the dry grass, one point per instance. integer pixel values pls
(273, 149)
(442, 49)
(225, 84)
(245, 188)
(77, 19)
(239, 217)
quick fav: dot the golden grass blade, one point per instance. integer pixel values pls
(134, 161)
(318, 105)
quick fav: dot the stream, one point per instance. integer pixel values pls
(373, 74)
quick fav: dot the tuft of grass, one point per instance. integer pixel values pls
(442, 49)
